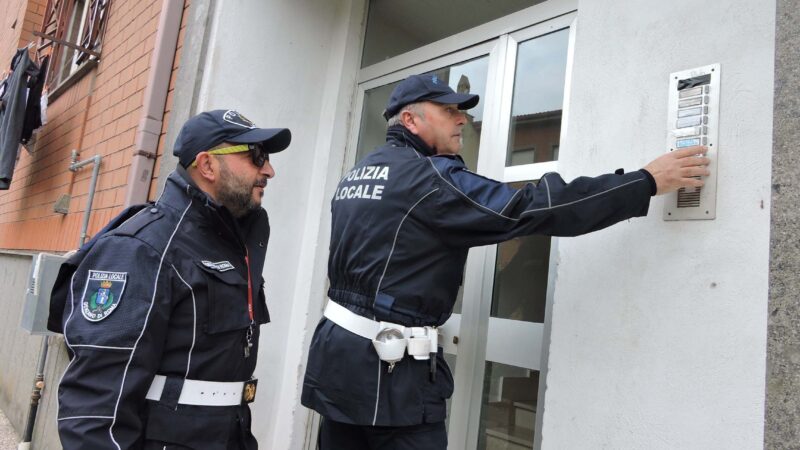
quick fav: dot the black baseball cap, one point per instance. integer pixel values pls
(426, 87)
(211, 128)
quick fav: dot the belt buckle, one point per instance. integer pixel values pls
(249, 390)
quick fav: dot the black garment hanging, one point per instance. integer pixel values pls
(12, 114)
(33, 111)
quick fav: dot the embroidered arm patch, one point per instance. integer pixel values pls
(102, 294)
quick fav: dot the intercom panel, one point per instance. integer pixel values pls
(693, 119)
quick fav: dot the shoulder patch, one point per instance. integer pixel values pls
(221, 266)
(102, 294)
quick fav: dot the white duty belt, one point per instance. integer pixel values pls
(207, 393)
(389, 339)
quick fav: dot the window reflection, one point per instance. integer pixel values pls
(538, 97)
(466, 77)
(520, 277)
(520, 281)
(508, 412)
(372, 132)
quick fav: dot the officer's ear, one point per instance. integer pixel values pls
(409, 120)
(206, 167)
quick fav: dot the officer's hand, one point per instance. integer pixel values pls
(676, 169)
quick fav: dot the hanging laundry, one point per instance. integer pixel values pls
(43, 106)
(12, 115)
(3, 85)
(33, 109)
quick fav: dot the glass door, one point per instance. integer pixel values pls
(518, 270)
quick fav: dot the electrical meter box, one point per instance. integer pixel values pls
(42, 277)
(693, 119)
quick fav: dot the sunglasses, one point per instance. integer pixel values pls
(257, 153)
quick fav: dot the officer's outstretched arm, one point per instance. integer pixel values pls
(471, 210)
(114, 327)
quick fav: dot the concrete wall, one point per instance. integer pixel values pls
(18, 352)
(19, 355)
(782, 428)
(659, 328)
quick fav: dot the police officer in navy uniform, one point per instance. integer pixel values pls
(161, 310)
(403, 220)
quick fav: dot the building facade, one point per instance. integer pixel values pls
(654, 333)
(109, 78)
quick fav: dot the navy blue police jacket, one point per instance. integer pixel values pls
(403, 220)
(163, 289)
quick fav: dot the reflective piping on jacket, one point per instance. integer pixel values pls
(405, 141)
(163, 190)
(394, 242)
(582, 199)
(194, 325)
(102, 346)
(66, 340)
(547, 185)
(377, 394)
(465, 195)
(528, 210)
(85, 417)
(519, 192)
(72, 305)
(144, 326)
(389, 258)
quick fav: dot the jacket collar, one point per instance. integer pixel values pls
(180, 188)
(400, 136)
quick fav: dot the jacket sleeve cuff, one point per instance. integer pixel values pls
(651, 180)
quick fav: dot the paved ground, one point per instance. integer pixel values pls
(8, 437)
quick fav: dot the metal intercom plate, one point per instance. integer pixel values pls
(693, 119)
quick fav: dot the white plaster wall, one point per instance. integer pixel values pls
(659, 328)
(289, 63)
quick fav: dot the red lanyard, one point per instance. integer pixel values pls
(249, 285)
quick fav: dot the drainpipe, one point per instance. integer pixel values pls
(38, 385)
(38, 382)
(155, 97)
(76, 166)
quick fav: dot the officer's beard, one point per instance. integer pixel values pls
(236, 193)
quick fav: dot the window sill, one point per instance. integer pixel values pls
(70, 81)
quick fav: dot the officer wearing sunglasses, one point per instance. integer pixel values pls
(161, 310)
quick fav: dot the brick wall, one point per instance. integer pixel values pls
(98, 115)
(25, 16)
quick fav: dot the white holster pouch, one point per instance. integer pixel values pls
(389, 339)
